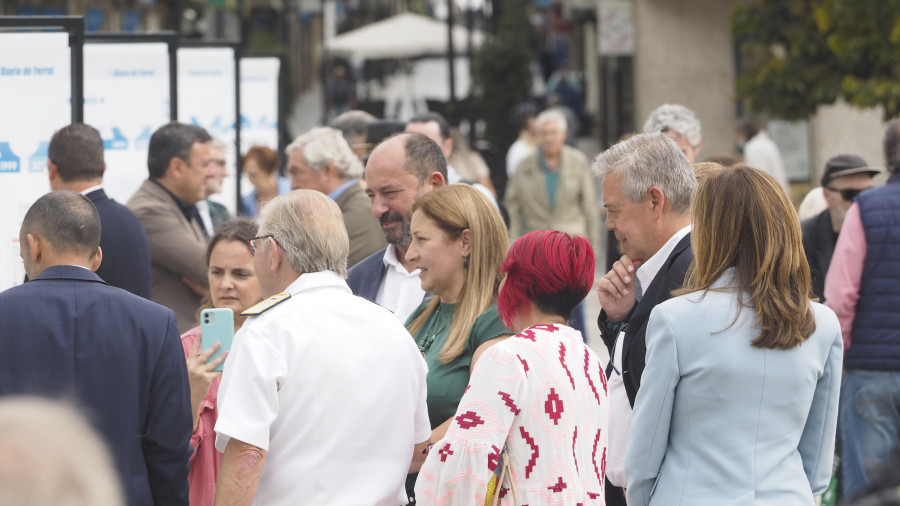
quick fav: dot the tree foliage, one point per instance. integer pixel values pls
(799, 54)
(502, 74)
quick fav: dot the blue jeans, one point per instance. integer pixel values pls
(869, 425)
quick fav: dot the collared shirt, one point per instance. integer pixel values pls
(400, 290)
(845, 272)
(342, 188)
(189, 210)
(620, 423)
(299, 383)
(92, 189)
(205, 218)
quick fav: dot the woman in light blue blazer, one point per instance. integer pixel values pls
(739, 399)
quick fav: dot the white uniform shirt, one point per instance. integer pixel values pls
(400, 290)
(620, 421)
(333, 387)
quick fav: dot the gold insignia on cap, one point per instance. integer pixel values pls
(266, 304)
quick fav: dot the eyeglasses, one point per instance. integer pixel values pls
(253, 246)
(847, 194)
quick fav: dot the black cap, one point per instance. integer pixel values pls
(843, 165)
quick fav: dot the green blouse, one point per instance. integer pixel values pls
(447, 382)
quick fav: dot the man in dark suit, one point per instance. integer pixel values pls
(647, 184)
(400, 170)
(845, 176)
(66, 333)
(76, 163)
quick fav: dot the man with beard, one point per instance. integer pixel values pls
(399, 171)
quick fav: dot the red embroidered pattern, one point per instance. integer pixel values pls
(602, 377)
(587, 374)
(575, 457)
(468, 420)
(524, 364)
(559, 486)
(507, 399)
(562, 360)
(493, 458)
(547, 327)
(553, 406)
(445, 452)
(527, 334)
(535, 453)
(603, 463)
(594, 457)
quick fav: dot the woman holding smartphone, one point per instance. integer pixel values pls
(233, 285)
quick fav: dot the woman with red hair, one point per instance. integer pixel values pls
(537, 402)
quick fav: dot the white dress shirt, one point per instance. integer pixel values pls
(620, 420)
(400, 290)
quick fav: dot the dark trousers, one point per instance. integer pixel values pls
(615, 496)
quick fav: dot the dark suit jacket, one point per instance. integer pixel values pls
(818, 244)
(634, 349)
(364, 278)
(362, 228)
(68, 334)
(126, 254)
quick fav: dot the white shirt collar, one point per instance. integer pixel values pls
(310, 280)
(390, 260)
(648, 270)
(92, 189)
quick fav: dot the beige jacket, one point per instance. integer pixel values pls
(177, 250)
(575, 212)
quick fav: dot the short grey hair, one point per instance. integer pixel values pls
(309, 228)
(324, 144)
(353, 123)
(551, 115)
(217, 143)
(646, 160)
(675, 118)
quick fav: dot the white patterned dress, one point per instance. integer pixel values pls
(542, 393)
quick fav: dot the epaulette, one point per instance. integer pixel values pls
(266, 304)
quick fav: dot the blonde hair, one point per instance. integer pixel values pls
(455, 208)
(744, 219)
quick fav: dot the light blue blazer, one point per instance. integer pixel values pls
(719, 422)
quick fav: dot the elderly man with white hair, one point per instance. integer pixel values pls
(322, 160)
(679, 124)
(323, 396)
(552, 188)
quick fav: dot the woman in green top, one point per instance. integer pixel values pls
(458, 244)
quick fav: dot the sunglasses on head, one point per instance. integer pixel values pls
(847, 194)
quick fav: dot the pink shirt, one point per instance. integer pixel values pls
(844, 276)
(205, 460)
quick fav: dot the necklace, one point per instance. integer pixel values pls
(427, 341)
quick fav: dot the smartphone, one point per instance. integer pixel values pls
(217, 326)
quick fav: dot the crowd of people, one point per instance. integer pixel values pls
(404, 336)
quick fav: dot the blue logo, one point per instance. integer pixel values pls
(9, 162)
(143, 140)
(38, 161)
(118, 140)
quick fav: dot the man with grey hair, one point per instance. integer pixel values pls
(680, 124)
(212, 213)
(647, 185)
(322, 160)
(400, 170)
(353, 125)
(303, 413)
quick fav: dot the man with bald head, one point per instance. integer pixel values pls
(400, 170)
(66, 333)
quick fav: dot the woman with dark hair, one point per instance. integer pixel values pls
(536, 401)
(260, 165)
(738, 400)
(232, 284)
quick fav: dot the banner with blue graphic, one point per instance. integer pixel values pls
(259, 102)
(35, 99)
(126, 98)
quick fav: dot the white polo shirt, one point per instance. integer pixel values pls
(333, 387)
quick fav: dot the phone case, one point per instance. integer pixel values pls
(217, 326)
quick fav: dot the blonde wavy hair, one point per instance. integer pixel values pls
(744, 219)
(455, 208)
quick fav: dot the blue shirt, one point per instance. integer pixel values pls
(341, 189)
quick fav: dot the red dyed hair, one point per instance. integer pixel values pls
(550, 268)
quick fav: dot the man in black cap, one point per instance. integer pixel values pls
(844, 178)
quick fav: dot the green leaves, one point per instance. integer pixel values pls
(799, 54)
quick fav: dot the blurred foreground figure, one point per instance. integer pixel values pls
(739, 397)
(49, 456)
(679, 124)
(323, 396)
